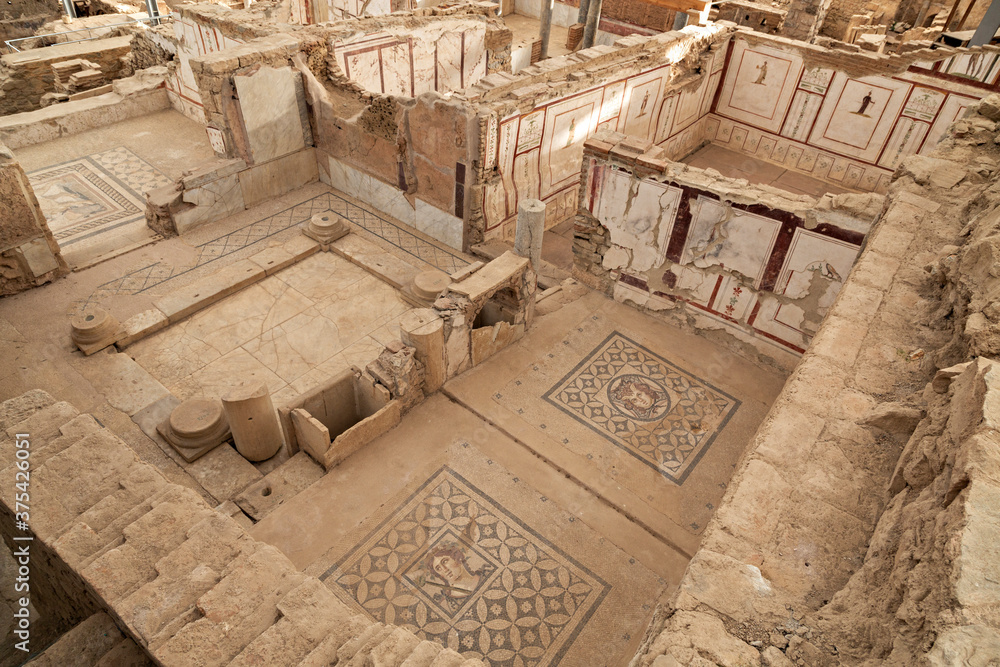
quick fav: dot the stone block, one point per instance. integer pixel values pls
(141, 325)
(300, 247)
(39, 257)
(491, 277)
(272, 179)
(311, 435)
(212, 172)
(125, 384)
(223, 473)
(281, 484)
(211, 201)
(189, 299)
(272, 259)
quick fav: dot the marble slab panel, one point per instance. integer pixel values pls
(269, 102)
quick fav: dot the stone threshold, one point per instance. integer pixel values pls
(204, 292)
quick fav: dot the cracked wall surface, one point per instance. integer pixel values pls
(712, 252)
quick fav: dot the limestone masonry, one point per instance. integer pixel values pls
(500, 334)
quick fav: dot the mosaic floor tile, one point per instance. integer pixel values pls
(454, 566)
(659, 413)
(150, 276)
(94, 195)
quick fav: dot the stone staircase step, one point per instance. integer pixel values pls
(100, 528)
(423, 654)
(19, 408)
(83, 645)
(125, 653)
(237, 610)
(281, 645)
(122, 570)
(393, 650)
(326, 652)
(358, 646)
(448, 658)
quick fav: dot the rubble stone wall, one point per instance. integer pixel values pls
(25, 77)
(29, 255)
(861, 524)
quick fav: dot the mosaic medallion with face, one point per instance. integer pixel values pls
(448, 571)
(639, 397)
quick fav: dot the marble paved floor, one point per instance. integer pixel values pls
(737, 165)
(292, 330)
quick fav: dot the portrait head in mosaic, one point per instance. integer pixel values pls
(638, 397)
(448, 564)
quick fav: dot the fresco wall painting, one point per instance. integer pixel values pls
(539, 154)
(851, 131)
(420, 62)
(747, 266)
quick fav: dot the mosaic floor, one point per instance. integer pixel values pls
(456, 566)
(93, 197)
(657, 412)
(644, 414)
(150, 276)
(455, 542)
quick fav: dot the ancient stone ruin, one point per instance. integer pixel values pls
(388, 333)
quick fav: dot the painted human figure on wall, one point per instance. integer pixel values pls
(866, 102)
(761, 73)
(571, 133)
(642, 107)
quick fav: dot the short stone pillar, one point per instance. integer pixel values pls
(325, 228)
(529, 232)
(428, 285)
(195, 427)
(253, 421)
(94, 329)
(423, 329)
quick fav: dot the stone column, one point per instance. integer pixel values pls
(988, 26)
(423, 329)
(581, 16)
(531, 226)
(593, 19)
(546, 27)
(253, 421)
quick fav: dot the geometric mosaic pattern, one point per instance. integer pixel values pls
(94, 194)
(453, 566)
(148, 277)
(657, 412)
